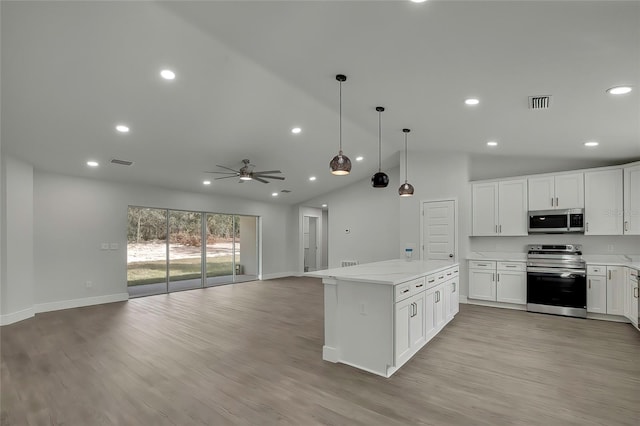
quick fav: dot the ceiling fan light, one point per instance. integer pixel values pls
(405, 190)
(246, 177)
(380, 180)
(340, 165)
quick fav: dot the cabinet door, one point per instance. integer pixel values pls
(430, 313)
(634, 291)
(603, 202)
(482, 285)
(569, 191)
(417, 332)
(541, 193)
(484, 208)
(632, 200)
(512, 207)
(615, 290)
(403, 312)
(597, 294)
(452, 298)
(628, 292)
(440, 312)
(511, 287)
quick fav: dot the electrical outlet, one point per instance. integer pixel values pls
(88, 284)
(104, 246)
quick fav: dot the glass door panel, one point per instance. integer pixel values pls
(246, 248)
(185, 250)
(146, 251)
(219, 249)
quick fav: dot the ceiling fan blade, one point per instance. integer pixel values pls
(259, 179)
(218, 165)
(267, 172)
(223, 173)
(270, 177)
(224, 177)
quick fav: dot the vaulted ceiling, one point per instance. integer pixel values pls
(248, 72)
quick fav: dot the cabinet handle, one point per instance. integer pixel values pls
(499, 229)
(557, 202)
(481, 264)
(454, 288)
(419, 285)
(455, 272)
(496, 228)
(448, 274)
(551, 201)
(441, 277)
(626, 225)
(430, 281)
(587, 227)
(589, 284)
(498, 274)
(493, 277)
(406, 290)
(609, 275)
(636, 292)
(509, 266)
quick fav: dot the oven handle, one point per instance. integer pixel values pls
(556, 271)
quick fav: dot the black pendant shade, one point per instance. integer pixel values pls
(340, 165)
(380, 179)
(406, 189)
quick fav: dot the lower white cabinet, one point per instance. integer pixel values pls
(615, 290)
(504, 282)
(606, 289)
(631, 296)
(451, 298)
(597, 294)
(410, 326)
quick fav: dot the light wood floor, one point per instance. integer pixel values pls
(250, 354)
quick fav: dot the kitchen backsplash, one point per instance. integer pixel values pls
(591, 244)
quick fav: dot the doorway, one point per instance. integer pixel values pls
(439, 229)
(312, 254)
(310, 243)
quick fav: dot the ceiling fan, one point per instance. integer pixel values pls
(246, 173)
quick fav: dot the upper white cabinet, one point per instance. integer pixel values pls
(632, 200)
(500, 208)
(556, 192)
(603, 202)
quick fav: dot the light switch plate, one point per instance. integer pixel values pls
(114, 246)
(104, 246)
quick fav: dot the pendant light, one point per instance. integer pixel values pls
(406, 189)
(380, 179)
(340, 165)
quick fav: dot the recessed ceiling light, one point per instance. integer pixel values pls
(168, 74)
(92, 163)
(206, 182)
(324, 205)
(492, 143)
(359, 158)
(312, 178)
(619, 90)
(418, 1)
(296, 130)
(471, 101)
(274, 194)
(591, 144)
(122, 128)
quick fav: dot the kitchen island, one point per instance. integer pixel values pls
(378, 315)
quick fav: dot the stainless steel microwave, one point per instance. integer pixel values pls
(556, 221)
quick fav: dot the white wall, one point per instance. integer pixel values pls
(73, 216)
(591, 244)
(436, 176)
(371, 216)
(17, 285)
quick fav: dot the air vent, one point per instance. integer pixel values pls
(345, 263)
(539, 102)
(286, 191)
(121, 162)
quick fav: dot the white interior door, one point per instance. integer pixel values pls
(439, 230)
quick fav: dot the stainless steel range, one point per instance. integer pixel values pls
(557, 280)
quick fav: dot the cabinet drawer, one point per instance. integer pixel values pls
(417, 286)
(478, 264)
(451, 273)
(512, 266)
(431, 280)
(599, 270)
(403, 291)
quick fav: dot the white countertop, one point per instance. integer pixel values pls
(386, 272)
(498, 256)
(632, 261)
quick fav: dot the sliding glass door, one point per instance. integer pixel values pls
(174, 250)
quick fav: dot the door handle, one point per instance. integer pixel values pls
(450, 254)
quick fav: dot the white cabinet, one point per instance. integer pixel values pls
(632, 200)
(603, 208)
(615, 290)
(409, 326)
(564, 191)
(504, 282)
(511, 283)
(597, 294)
(451, 298)
(631, 296)
(499, 208)
(482, 280)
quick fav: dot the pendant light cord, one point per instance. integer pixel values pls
(340, 152)
(406, 162)
(379, 142)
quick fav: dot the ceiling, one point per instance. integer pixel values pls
(247, 72)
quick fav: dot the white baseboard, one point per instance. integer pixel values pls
(17, 316)
(605, 317)
(463, 299)
(497, 304)
(78, 303)
(278, 275)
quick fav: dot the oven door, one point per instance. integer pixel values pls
(557, 291)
